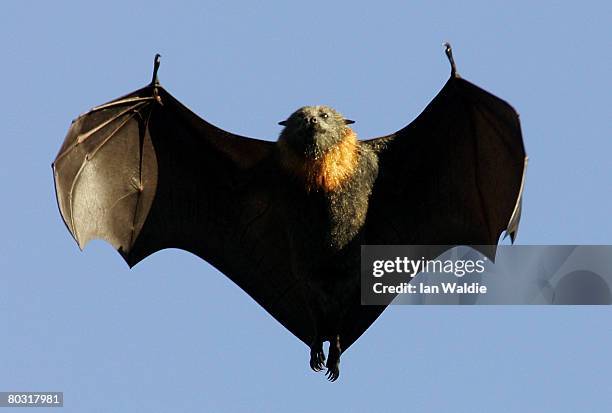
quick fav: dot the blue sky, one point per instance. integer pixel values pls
(173, 334)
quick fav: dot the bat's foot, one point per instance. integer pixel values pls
(317, 357)
(333, 360)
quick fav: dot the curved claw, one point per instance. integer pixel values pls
(332, 374)
(333, 359)
(156, 62)
(449, 54)
(316, 364)
(317, 360)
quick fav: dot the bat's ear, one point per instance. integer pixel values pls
(348, 122)
(283, 123)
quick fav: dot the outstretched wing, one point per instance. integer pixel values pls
(145, 173)
(453, 176)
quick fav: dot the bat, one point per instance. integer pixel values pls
(285, 220)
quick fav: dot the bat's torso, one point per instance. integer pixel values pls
(324, 227)
(329, 196)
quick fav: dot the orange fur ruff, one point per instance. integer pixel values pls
(328, 172)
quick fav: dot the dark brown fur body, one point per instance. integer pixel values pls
(329, 193)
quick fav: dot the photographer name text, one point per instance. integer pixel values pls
(422, 288)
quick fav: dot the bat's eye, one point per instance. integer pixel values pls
(324, 115)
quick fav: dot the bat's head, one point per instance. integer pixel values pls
(313, 130)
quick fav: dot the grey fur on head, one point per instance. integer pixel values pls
(312, 130)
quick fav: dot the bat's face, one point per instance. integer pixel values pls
(312, 130)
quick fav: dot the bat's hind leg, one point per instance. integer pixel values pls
(333, 359)
(317, 357)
